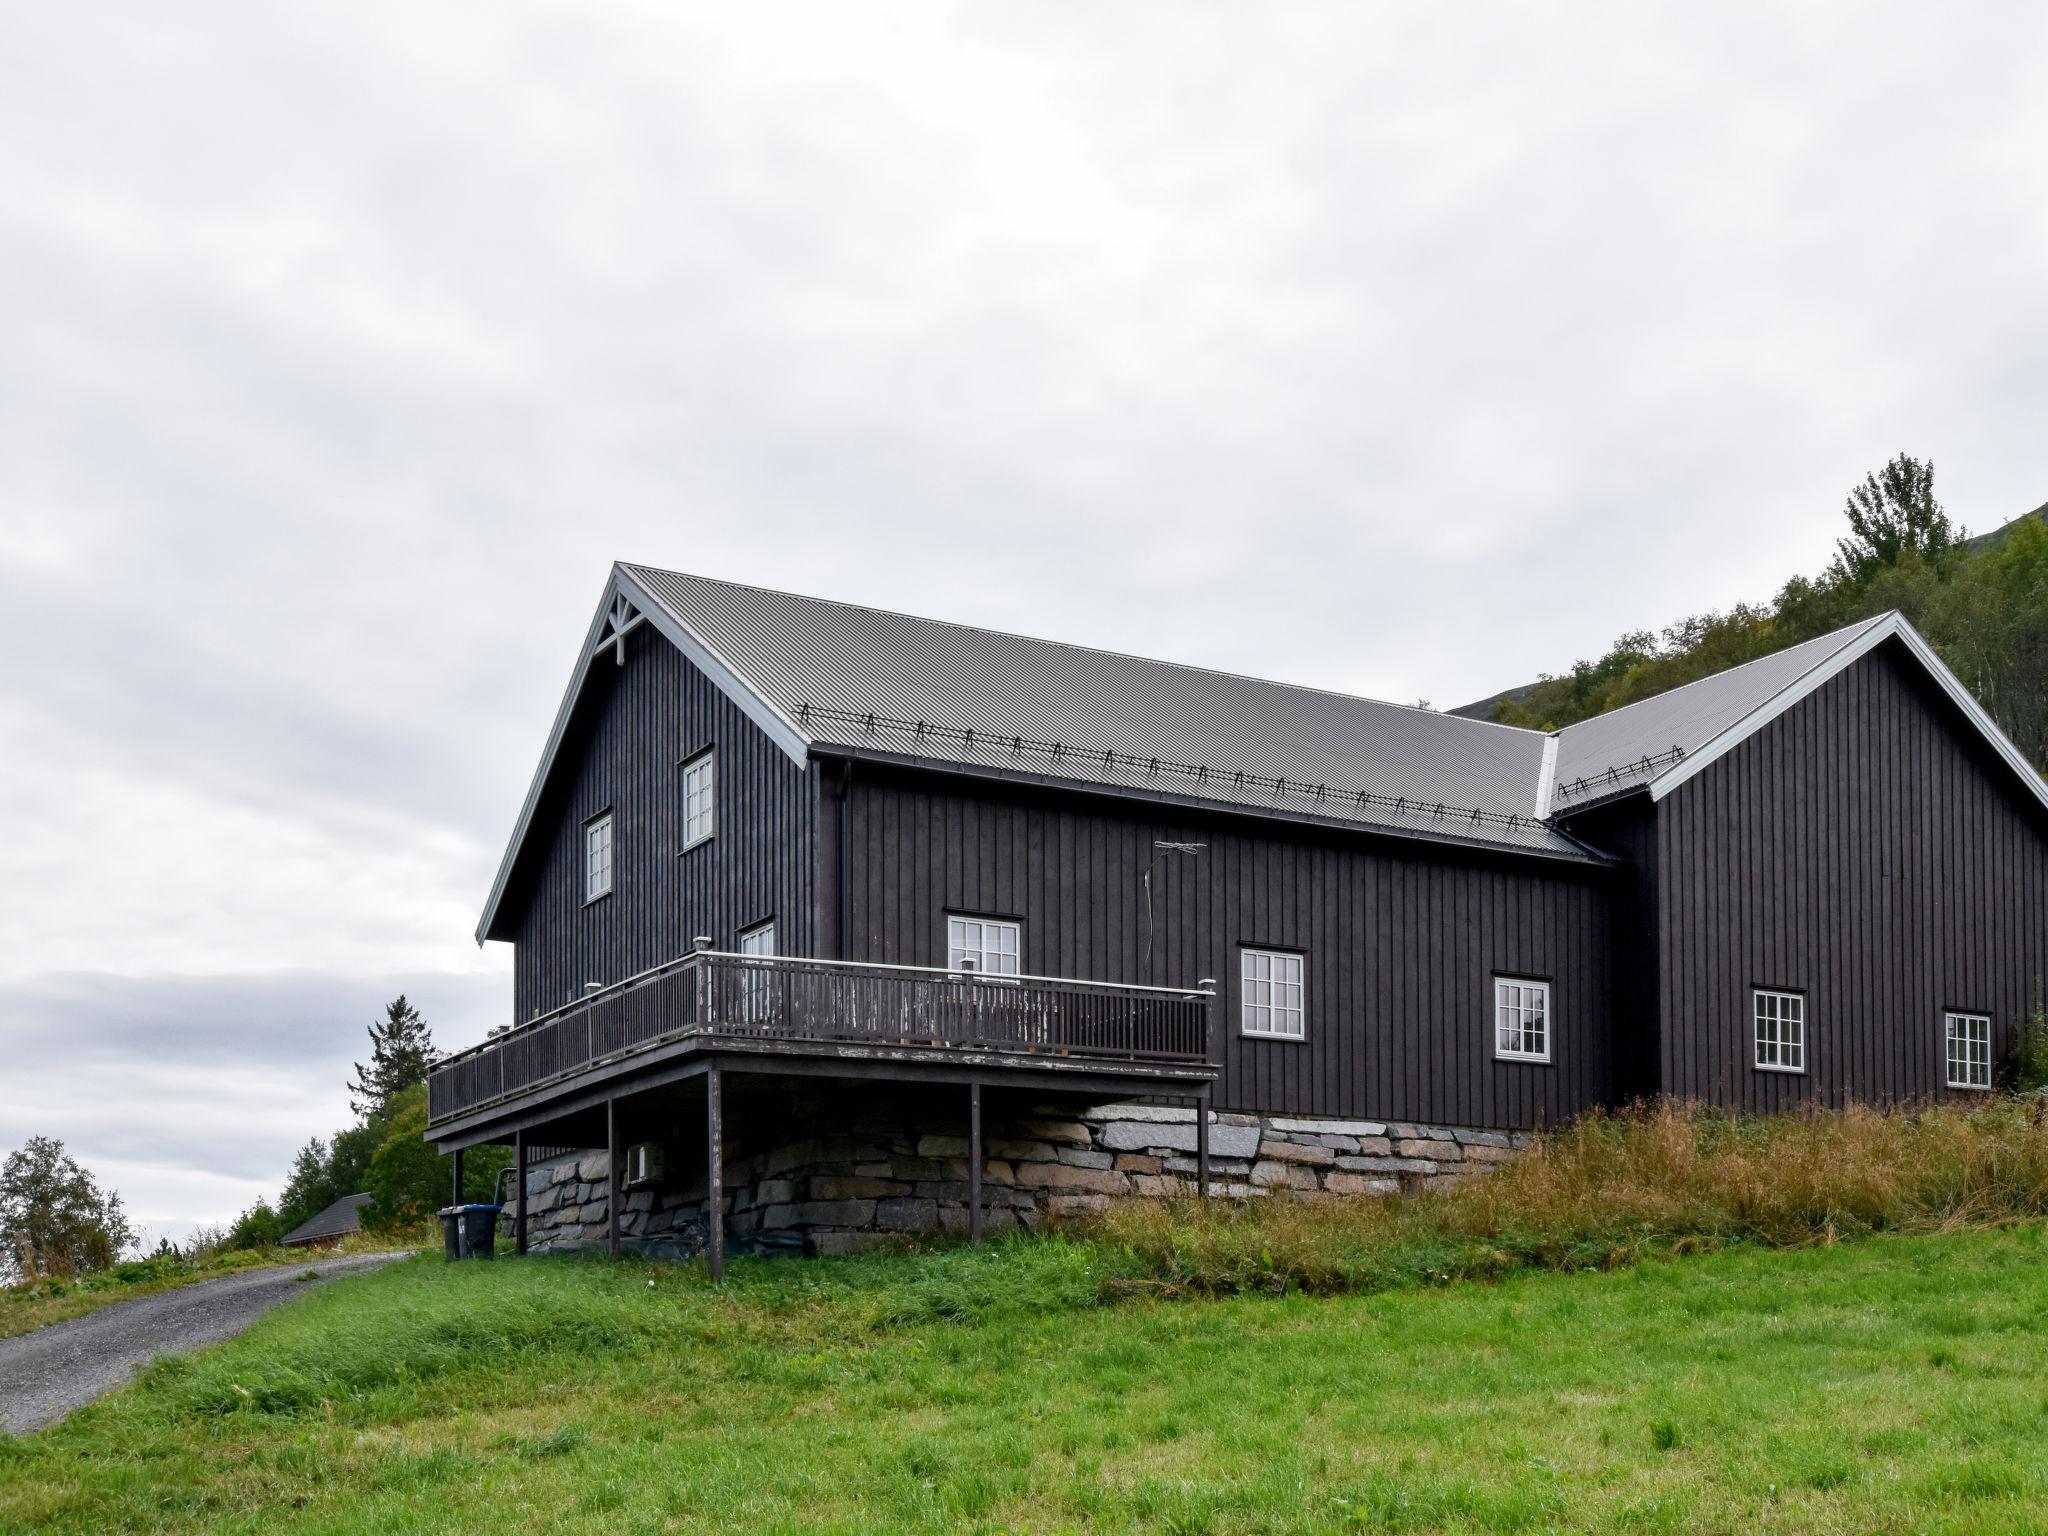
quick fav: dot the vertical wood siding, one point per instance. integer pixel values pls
(631, 731)
(1402, 945)
(1863, 849)
(1628, 829)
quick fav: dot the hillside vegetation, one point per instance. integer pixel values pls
(1982, 603)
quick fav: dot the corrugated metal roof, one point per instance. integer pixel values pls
(1597, 755)
(338, 1220)
(1016, 704)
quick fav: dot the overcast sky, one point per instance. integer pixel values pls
(1389, 350)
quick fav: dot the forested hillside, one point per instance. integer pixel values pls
(1983, 603)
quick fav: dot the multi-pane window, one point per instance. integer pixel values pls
(1271, 1002)
(1780, 1031)
(700, 799)
(597, 857)
(1969, 1050)
(1521, 1019)
(989, 944)
(758, 993)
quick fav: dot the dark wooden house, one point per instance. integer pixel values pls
(802, 893)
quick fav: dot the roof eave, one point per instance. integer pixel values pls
(1579, 854)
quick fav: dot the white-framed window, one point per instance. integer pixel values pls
(597, 857)
(1969, 1050)
(1521, 1019)
(1270, 1002)
(758, 993)
(1780, 1031)
(700, 798)
(991, 943)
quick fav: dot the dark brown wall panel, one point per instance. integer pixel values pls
(626, 742)
(1402, 941)
(1865, 849)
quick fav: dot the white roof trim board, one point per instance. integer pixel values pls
(818, 675)
(1890, 626)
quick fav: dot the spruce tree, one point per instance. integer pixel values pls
(401, 1053)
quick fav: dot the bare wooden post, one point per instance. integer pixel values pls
(456, 1159)
(974, 1162)
(611, 1176)
(519, 1192)
(714, 1178)
(1202, 1147)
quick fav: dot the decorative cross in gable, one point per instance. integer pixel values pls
(619, 623)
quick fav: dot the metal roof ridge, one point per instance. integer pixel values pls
(1085, 650)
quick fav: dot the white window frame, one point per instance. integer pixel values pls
(1971, 1064)
(600, 852)
(1515, 993)
(967, 937)
(1264, 996)
(700, 800)
(1789, 1050)
(757, 993)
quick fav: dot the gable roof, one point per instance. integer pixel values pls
(828, 678)
(1010, 703)
(338, 1220)
(1659, 743)
(817, 675)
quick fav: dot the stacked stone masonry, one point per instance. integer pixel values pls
(878, 1179)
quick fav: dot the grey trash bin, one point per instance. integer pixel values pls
(479, 1231)
(469, 1231)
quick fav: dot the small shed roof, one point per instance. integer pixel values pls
(338, 1220)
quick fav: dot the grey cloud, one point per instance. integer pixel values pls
(1406, 352)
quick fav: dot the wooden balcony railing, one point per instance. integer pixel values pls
(758, 998)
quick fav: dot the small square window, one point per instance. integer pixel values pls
(1969, 1050)
(1780, 1031)
(992, 944)
(700, 799)
(597, 857)
(1271, 1002)
(1521, 1019)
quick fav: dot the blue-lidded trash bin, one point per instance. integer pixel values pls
(469, 1231)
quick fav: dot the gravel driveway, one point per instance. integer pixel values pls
(46, 1374)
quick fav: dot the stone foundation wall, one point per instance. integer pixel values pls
(884, 1170)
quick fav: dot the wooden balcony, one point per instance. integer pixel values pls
(795, 1008)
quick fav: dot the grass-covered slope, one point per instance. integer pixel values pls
(1898, 1383)
(1830, 1322)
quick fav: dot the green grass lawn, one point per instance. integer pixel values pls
(1899, 1383)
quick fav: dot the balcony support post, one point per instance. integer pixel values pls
(612, 1183)
(714, 1177)
(519, 1192)
(455, 1162)
(1202, 1146)
(974, 1162)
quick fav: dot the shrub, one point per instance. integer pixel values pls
(257, 1227)
(2030, 1050)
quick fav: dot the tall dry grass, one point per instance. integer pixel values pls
(1612, 1188)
